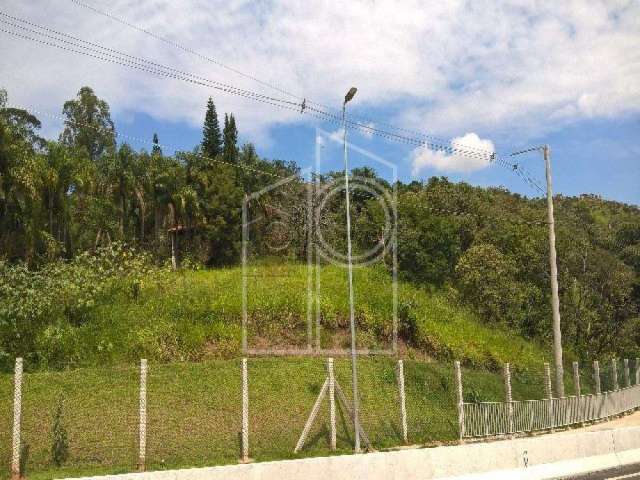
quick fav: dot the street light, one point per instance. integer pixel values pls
(354, 368)
(553, 266)
(555, 299)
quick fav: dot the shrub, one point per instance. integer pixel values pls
(60, 442)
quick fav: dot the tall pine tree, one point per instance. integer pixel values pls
(156, 151)
(230, 134)
(211, 138)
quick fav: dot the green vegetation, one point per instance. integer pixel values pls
(114, 308)
(86, 225)
(194, 411)
(486, 248)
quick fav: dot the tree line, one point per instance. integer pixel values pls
(487, 247)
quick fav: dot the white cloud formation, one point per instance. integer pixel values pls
(513, 66)
(479, 156)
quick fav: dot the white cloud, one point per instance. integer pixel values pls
(513, 66)
(478, 158)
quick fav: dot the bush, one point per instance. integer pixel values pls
(60, 442)
(38, 309)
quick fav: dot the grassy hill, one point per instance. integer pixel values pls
(188, 325)
(196, 315)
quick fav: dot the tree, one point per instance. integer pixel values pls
(88, 124)
(230, 134)
(487, 280)
(156, 151)
(211, 138)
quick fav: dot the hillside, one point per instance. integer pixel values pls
(196, 315)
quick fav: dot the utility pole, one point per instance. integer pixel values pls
(352, 321)
(555, 299)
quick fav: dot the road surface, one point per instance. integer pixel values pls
(631, 472)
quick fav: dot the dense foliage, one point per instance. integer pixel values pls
(67, 207)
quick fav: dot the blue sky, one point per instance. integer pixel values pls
(590, 156)
(492, 75)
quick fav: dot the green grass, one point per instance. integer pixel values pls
(193, 316)
(188, 325)
(194, 411)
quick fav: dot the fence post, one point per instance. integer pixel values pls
(403, 405)
(578, 391)
(549, 393)
(614, 373)
(627, 376)
(332, 402)
(596, 376)
(637, 370)
(245, 412)
(458, 378)
(17, 414)
(143, 415)
(576, 379)
(508, 394)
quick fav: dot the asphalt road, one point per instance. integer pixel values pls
(631, 472)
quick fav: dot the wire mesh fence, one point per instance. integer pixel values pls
(110, 420)
(592, 394)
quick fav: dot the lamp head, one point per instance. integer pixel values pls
(350, 94)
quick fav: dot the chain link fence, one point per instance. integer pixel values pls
(165, 416)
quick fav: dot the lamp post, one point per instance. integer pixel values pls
(354, 367)
(555, 299)
(553, 267)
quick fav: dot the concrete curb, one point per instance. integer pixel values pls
(541, 457)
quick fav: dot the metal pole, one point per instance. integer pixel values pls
(637, 370)
(245, 300)
(596, 376)
(354, 367)
(555, 299)
(17, 415)
(576, 379)
(143, 415)
(508, 394)
(549, 392)
(245, 412)
(458, 378)
(174, 260)
(332, 402)
(403, 402)
(627, 375)
(614, 373)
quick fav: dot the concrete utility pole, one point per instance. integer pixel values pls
(555, 299)
(352, 322)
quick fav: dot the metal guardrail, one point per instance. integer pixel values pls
(503, 418)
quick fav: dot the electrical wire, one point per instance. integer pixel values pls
(123, 59)
(332, 110)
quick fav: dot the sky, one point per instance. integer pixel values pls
(488, 75)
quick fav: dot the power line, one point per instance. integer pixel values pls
(145, 65)
(114, 56)
(262, 82)
(182, 47)
(112, 53)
